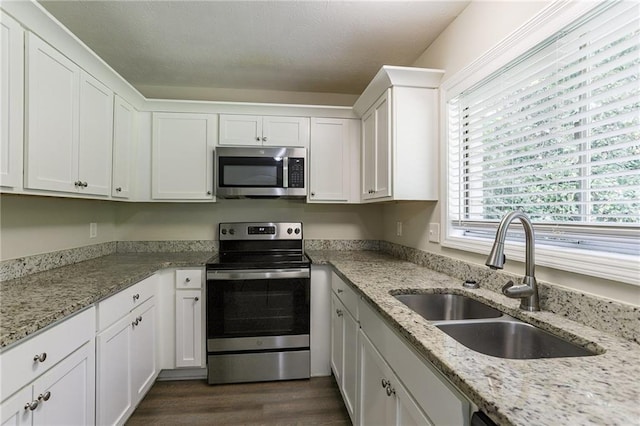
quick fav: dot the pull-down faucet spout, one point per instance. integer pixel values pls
(527, 292)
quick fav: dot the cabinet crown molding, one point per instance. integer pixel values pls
(390, 75)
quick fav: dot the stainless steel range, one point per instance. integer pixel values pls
(258, 305)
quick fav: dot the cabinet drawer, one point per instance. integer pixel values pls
(115, 307)
(442, 402)
(188, 278)
(18, 365)
(346, 294)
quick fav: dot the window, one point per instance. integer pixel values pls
(554, 133)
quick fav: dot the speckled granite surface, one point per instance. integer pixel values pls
(31, 303)
(599, 390)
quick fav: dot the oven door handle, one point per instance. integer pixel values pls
(258, 274)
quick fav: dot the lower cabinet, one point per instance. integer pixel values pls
(64, 394)
(344, 346)
(383, 399)
(126, 363)
(189, 328)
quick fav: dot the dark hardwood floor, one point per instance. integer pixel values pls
(299, 402)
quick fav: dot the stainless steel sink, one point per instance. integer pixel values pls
(511, 339)
(437, 307)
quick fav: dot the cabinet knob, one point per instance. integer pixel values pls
(77, 183)
(264, 139)
(41, 357)
(257, 138)
(339, 312)
(384, 383)
(136, 297)
(188, 279)
(119, 189)
(139, 319)
(44, 396)
(339, 290)
(134, 323)
(313, 194)
(196, 298)
(31, 405)
(390, 390)
(84, 184)
(208, 192)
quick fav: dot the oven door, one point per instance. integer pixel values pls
(258, 309)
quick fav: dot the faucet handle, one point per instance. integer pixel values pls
(507, 286)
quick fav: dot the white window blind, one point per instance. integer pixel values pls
(556, 134)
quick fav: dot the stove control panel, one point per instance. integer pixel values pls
(260, 231)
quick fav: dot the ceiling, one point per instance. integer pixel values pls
(326, 46)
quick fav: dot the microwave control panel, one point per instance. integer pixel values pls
(296, 172)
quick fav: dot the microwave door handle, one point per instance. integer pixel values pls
(285, 172)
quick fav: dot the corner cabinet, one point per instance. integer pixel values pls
(11, 101)
(255, 130)
(69, 124)
(182, 156)
(399, 111)
(334, 161)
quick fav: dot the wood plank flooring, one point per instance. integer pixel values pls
(298, 402)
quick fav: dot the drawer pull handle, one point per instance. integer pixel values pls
(44, 396)
(340, 290)
(31, 405)
(136, 297)
(41, 357)
(196, 298)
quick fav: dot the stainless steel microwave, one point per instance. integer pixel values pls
(260, 172)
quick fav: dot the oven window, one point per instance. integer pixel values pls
(248, 308)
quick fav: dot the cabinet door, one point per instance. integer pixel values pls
(285, 131)
(11, 100)
(188, 328)
(123, 142)
(330, 160)
(182, 160)
(337, 313)
(66, 394)
(51, 119)
(368, 155)
(96, 134)
(114, 373)
(407, 411)
(376, 407)
(240, 130)
(143, 350)
(15, 411)
(350, 361)
(382, 185)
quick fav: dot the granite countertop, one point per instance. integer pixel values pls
(602, 389)
(33, 302)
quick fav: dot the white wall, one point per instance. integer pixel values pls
(166, 221)
(33, 225)
(477, 29)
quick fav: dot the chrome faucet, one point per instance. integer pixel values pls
(527, 292)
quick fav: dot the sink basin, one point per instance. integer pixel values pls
(512, 339)
(440, 307)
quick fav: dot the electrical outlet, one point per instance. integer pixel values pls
(399, 229)
(434, 232)
(93, 230)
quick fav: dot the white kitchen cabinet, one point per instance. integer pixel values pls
(182, 156)
(124, 128)
(253, 130)
(189, 328)
(399, 112)
(344, 342)
(334, 161)
(68, 124)
(189, 318)
(11, 101)
(57, 385)
(126, 350)
(384, 400)
(376, 151)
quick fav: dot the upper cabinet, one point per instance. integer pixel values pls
(253, 130)
(124, 122)
(11, 101)
(399, 112)
(182, 156)
(334, 160)
(68, 124)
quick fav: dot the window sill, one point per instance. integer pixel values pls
(610, 266)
